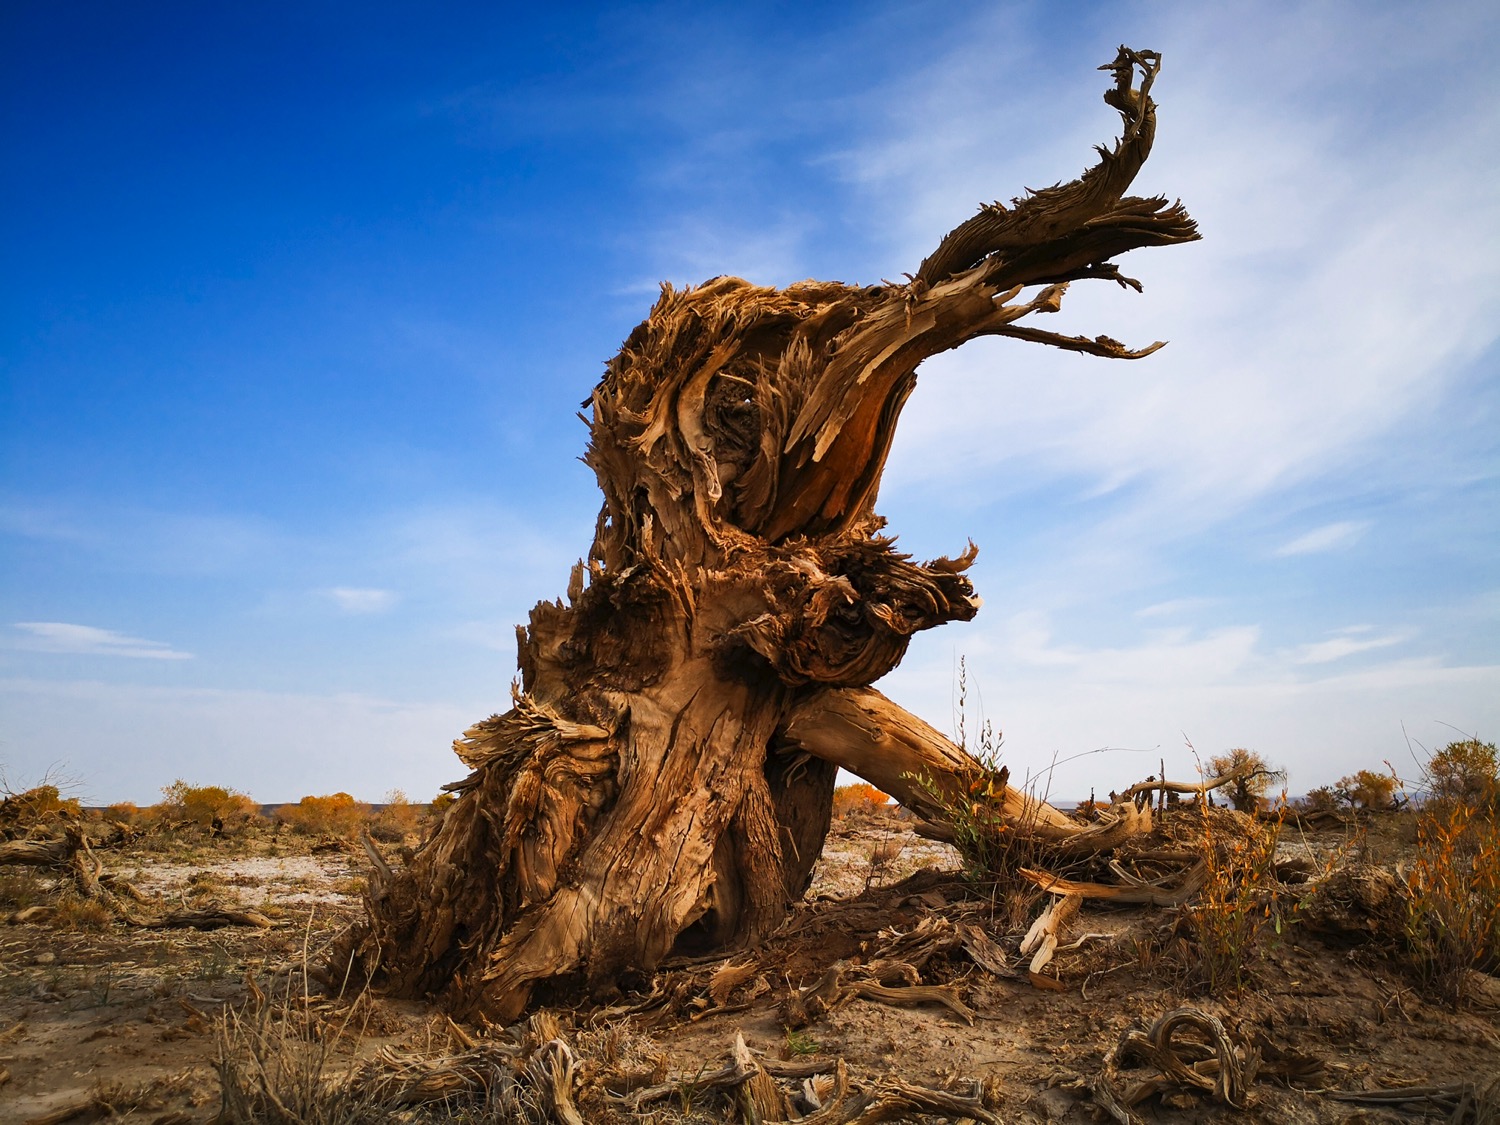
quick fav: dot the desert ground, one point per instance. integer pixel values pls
(896, 991)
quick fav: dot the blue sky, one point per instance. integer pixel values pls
(299, 303)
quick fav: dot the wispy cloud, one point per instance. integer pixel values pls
(1348, 642)
(354, 599)
(87, 640)
(1329, 537)
(1293, 354)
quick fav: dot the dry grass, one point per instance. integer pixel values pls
(1453, 897)
(1240, 899)
(75, 913)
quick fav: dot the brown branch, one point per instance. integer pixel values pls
(1201, 788)
(1102, 346)
(997, 233)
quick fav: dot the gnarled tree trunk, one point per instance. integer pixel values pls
(663, 779)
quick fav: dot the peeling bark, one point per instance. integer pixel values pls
(663, 778)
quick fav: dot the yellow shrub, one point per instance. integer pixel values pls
(1239, 899)
(859, 797)
(335, 814)
(22, 811)
(124, 812)
(206, 805)
(398, 819)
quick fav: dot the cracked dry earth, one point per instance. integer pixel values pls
(122, 1023)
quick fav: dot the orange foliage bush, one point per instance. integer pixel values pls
(1367, 789)
(20, 812)
(859, 797)
(398, 819)
(1453, 896)
(335, 814)
(124, 812)
(206, 805)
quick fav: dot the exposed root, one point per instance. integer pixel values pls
(1205, 1061)
(834, 1100)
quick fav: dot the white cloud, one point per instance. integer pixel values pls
(86, 640)
(353, 599)
(1297, 345)
(1329, 537)
(1347, 643)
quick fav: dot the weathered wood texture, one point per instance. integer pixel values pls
(663, 779)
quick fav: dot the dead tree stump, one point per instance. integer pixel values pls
(663, 779)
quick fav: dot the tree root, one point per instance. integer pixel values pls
(1209, 1063)
(832, 1101)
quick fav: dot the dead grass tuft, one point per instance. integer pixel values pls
(75, 913)
(1240, 899)
(1453, 898)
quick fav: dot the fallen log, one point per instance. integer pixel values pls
(1192, 882)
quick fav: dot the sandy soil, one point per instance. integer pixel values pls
(126, 1018)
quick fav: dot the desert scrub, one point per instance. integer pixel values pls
(1453, 897)
(799, 1044)
(1240, 898)
(20, 889)
(75, 913)
(335, 814)
(215, 807)
(861, 797)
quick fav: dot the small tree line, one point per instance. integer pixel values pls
(222, 810)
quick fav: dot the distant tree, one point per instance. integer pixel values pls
(1367, 790)
(335, 814)
(1247, 790)
(397, 819)
(860, 797)
(211, 806)
(1467, 773)
(1321, 799)
(123, 812)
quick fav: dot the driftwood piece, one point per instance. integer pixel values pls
(1464, 1103)
(1045, 933)
(550, 1071)
(1197, 788)
(52, 851)
(726, 1077)
(831, 1095)
(759, 1097)
(1189, 1049)
(662, 782)
(894, 1100)
(1190, 884)
(834, 989)
(209, 918)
